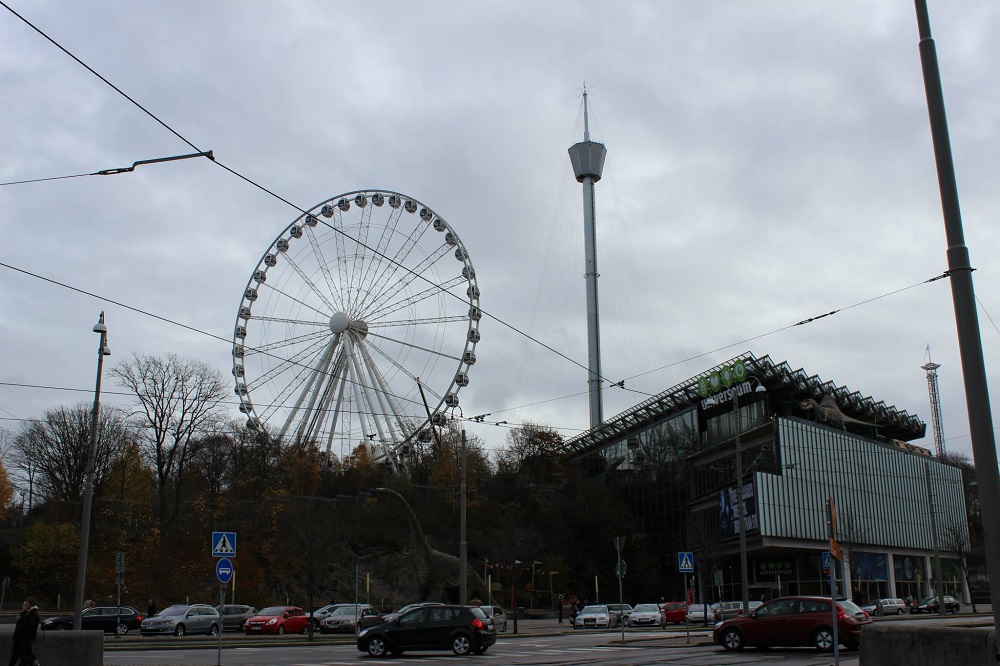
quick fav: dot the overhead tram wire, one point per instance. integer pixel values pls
(783, 328)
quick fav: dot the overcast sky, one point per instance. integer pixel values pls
(767, 162)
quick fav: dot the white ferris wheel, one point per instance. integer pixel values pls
(358, 306)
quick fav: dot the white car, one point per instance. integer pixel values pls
(596, 615)
(647, 615)
(499, 616)
(702, 614)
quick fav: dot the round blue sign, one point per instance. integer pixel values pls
(224, 570)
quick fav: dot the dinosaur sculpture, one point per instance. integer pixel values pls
(436, 572)
(828, 411)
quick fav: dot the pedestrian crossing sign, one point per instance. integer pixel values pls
(685, 562)
(223, 544)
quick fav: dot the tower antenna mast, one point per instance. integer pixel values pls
(587, 158)
(932, 388)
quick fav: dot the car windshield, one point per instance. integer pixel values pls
(849, 606)
(346, 610)
(646, 608)
(173, 610)
(594, 609)
(272, 610)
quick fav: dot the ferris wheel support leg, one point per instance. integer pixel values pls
(372, 404)
(341, 371)
(307, 390)
(384, 390)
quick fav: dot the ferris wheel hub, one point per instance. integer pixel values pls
(339, 322)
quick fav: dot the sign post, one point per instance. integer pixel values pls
(119, 579)
(685, 564)
(835, 555)
(620, 572)
(223, 547)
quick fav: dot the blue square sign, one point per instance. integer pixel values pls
(223, 544)
(685, 562)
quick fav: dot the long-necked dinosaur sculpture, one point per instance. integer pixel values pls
(436, 572)
(828, 410)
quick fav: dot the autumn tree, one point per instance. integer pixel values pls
(46, 558)
(179, 401)
(51, 453)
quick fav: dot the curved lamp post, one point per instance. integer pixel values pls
(88, 488)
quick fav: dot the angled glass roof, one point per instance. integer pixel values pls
(779, 379)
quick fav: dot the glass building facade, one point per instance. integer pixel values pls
(802, 442)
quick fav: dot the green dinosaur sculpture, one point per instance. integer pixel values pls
(436, 572)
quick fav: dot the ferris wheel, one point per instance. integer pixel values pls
(362, 309)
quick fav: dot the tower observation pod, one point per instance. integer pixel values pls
(587, 158)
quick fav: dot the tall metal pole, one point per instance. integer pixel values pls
(970, 343)
(934, 540)
(587, 158)
(741, 510)
(463, 585)
(88, 486)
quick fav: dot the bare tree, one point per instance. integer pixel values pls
(180, 400)
(51, 452)
(955, 539)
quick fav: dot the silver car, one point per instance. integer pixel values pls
(647, 615)
(181, 619)
(594, 616)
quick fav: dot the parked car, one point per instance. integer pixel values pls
(461, 629)
(647, 615)
(594, 616)
(392, 617)
(793, 621)
(235, 615)
(887, 606)
(930, 605)
(109, 619)
(675, 611)
(702, 614)
(499, 616)
(348, 618)
(321, 614)
(277, 620)
(181, 619)
(728, 609)
(621, 613)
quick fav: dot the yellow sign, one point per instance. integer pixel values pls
(835, 551)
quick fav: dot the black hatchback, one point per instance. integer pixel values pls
(109, 619)
(461, 629)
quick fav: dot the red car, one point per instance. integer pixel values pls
(794, 621)
(277, 620)
(675, 611)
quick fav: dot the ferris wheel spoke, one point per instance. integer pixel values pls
(335, 415)
(404, 370)
(383, 245)
(423, 321)
(289, 342)
(405, 280)
(410, 345)
(375, 411)
(316, 414)
(300, 359)
(390, 275)
(312, 286)
(321, 260)
(354, 285)
(294, 299)
(431, 292)
(300, 322)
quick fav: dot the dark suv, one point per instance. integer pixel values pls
(461, 629)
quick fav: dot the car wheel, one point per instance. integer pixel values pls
(179, 630)
(281, 630)
(823, 639)
(732, 640)
(375, 647)
(213, 630)
(305, 629)
(899, 612)
(461, 644)
(121, 629)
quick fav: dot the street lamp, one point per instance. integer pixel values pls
(740, 510)
(88, 487)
